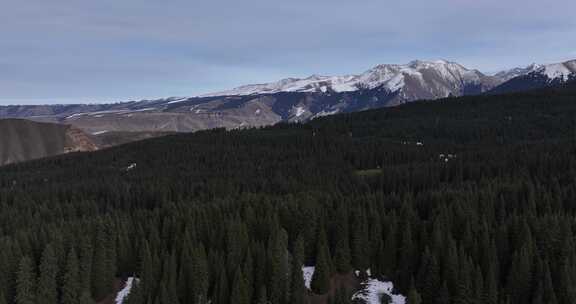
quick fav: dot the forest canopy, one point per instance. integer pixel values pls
(461, 200)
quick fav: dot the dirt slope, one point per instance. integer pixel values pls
(22, 140)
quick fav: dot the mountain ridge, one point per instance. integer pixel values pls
(297, 99)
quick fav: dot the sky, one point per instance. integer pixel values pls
(71, 51)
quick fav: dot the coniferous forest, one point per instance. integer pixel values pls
(461, 201)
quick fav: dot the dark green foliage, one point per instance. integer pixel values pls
(200, 279)
(25, 280)
(71, 288)
(480, 212)
(342, 255)
(413, 297)
(47, 292)
(85, 298)
(320, 283)
(102, 273)
(297, 290)
(240, 289)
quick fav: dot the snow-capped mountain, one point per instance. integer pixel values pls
(535, 76)
(417, 79)
(562, 71)
(515, 72)
(297, 99)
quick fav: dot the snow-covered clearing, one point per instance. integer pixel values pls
(373, 290)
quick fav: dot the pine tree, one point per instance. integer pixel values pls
(71, 281)
(222, 290)
(406, 266)
(321, 278)
(548, 288)
(388, 258)
(85, 298)
(413, 296)
(200, 279)
(360, 245)
(464, 292)
(443, 295)
(342, 249)
(279, 270)
(47, 287)
(491, 285)
(168, 283)
(85, 266)
(240, 294)
(262, 296)
(297, 290)
(520, 276)
(248, 270)
(102, 279)
(432, 282)
(26, 287)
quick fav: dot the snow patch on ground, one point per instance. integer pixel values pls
(122, 294)
(373, 290)
(308, 272)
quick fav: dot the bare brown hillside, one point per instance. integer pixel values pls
(22, 140)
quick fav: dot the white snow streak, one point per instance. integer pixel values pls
(308, 272)
(122, 294)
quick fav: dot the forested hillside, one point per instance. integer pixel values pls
(465, 200)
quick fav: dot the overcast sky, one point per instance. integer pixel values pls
(63, 51)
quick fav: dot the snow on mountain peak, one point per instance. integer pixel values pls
(388, 76)
(553, 71)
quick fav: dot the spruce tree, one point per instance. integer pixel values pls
(71, 282)
(199, 269)
(360, 245)
(432, 281)
(85, 263)
(388, 258)
(47, 292)
(240, 294)
(443, 295)
(222, 290)
(520, 276)
(85, 298)
(406, 266)
(342, 253)
(413, 296)
(321, 278)
(279, 271)
(262, 296)
(102, 279)
(297, 289)
(25, 280)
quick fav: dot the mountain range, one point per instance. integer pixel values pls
(295, 99)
